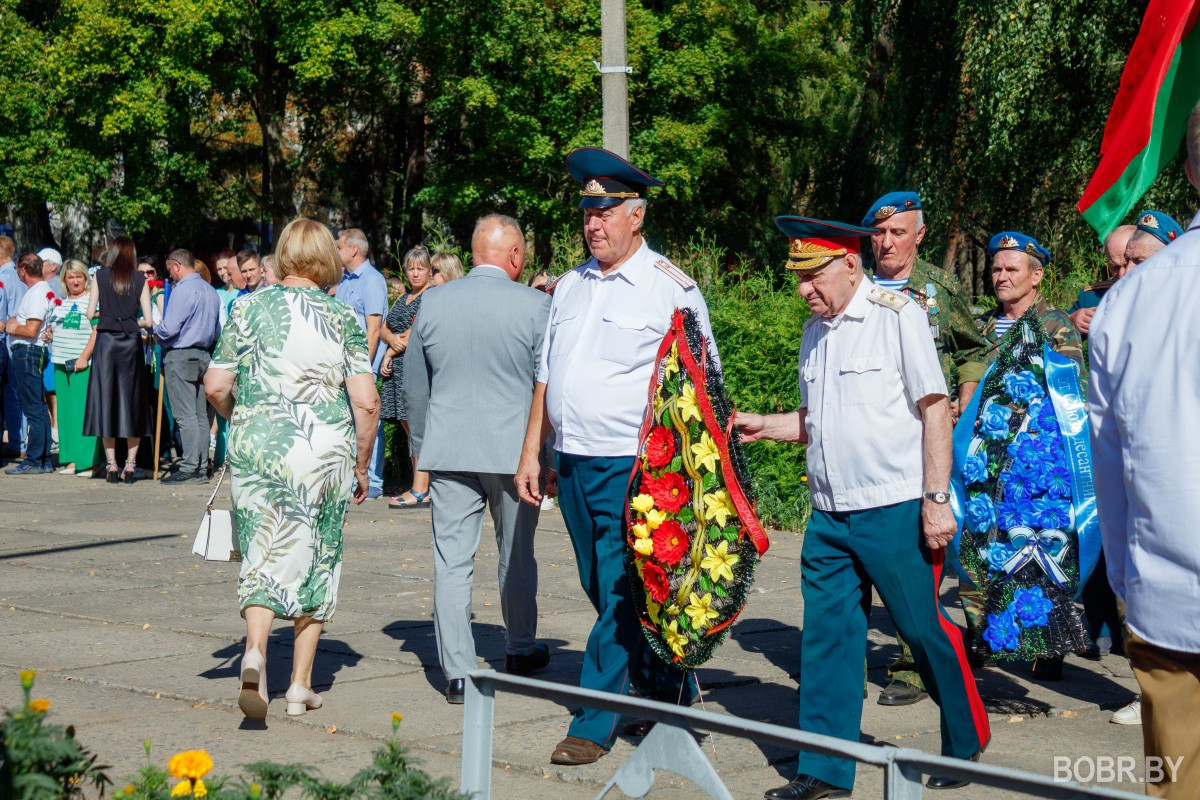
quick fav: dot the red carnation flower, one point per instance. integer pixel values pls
(660, 447)
(1, 284)
(670, 542)
(670, 492)
(49, 295)
(656, 582)
(57, 302)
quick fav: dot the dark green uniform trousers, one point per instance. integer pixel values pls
(845, 554)
(592, 494)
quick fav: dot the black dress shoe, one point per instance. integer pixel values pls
(456, 692)
(523, 664)
(977, 654)
(805, 787)
(184, 477)
(901, 693)
(938, 782)
(639, 727)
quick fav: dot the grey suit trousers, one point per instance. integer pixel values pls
(458, 502)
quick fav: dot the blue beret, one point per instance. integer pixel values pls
(1012, 240)
(891, 203)
(816, 242)
(608, 180)
(1160, 226)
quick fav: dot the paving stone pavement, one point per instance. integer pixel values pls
(135, 638)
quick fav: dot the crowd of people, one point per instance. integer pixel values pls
(512, 394)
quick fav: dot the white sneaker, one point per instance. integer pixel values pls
(547, 504)
(1129, 715)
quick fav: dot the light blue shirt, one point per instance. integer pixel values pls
(365, 291)
(14, 290)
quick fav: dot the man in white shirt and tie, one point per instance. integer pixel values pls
(1144, 396)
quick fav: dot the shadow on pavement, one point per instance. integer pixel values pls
(333, 655)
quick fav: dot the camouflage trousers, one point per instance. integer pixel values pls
(905, 669)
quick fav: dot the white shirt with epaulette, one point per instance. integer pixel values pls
(861, 375)
(601, 341)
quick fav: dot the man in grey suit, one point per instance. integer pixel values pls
(469, 372)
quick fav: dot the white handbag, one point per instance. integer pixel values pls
(215, 539)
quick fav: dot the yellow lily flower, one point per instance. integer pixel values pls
(654, 518)
(719, 562)
(642, 503)
(675, 639)
(673, 610)
(644, 546)
(700, 610)
(706, 453)
(719, 507)
(688, 407)
(653, 609)
(672, 365)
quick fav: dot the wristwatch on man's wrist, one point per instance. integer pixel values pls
(941, 498)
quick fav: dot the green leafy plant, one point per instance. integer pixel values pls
(40, 760)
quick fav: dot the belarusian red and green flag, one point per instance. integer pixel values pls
(1160, 86)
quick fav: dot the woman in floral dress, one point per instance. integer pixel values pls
(298, 450)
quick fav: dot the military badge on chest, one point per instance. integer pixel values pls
(929, 302)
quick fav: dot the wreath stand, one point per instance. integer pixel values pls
(670, 748)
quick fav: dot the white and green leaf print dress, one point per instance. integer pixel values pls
(291, 443)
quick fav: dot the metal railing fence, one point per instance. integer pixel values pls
(904, 768)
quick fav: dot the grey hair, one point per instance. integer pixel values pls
(920, 218)
(1141, 236)
(498, 219)
(356, 237)
(636, 202)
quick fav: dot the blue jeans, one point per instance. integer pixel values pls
(28, 364)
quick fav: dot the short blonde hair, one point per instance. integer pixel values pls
(307, 249)
(75, 265)
(448, 265)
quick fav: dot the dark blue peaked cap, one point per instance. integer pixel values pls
(608, 180)
(1013, 240)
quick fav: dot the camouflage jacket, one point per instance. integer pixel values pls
(1057, 325)
(959, 345)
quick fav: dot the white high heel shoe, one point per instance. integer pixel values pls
(253, 697)
(300, 699)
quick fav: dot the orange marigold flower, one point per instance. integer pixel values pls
(190, 764)
(40, 704)
(670, 542)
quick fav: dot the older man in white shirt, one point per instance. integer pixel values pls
(875, 415)
(1144, 397)
(607, 320)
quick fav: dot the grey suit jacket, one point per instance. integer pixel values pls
(469, 372)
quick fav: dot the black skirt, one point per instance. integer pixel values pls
(118, 399)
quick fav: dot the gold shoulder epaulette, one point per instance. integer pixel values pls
(886, 297)
(675, 273)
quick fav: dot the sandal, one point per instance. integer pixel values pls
(422, 501)
(573, 751)
(112, 475)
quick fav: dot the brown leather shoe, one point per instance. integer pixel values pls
(573, 751)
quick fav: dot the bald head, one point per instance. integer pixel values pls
(1114, 248)
(499, 240)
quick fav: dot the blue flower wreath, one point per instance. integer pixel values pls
(1031, 607)
(1002, 632)
(1023, 387)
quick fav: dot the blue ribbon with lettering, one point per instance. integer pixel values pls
(964, 431)
(1066, 393)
